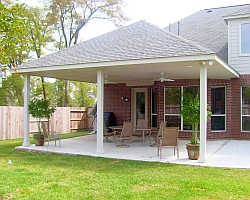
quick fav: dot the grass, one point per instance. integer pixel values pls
(51, 176)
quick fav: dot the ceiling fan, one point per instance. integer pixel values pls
(163, 79)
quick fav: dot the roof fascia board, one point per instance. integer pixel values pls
(236, 17)
(228, 67)
(119, 63)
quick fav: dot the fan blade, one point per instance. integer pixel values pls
(169, 80)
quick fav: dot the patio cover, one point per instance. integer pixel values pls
(140, 47)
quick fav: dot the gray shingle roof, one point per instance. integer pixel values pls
(140, 40)
(242, 11)
(208, 28)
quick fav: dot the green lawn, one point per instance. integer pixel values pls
(51, 176)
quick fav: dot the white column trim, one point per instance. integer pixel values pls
(203, 112)
(100, 102)
(26, 135)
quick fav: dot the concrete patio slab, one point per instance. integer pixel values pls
(220, 153)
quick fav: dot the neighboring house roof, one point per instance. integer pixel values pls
(208, 28)
(140, 40)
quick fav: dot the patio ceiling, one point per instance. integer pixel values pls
(138, 72)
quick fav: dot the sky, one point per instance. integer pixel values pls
(158, 12)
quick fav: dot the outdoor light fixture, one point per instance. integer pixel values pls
(209, 62)
(125, 99)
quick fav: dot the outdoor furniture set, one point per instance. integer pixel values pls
(164, 136)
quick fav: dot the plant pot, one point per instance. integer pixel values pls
(193, 151)
(39, 139)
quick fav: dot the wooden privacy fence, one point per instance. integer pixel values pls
(64, 120)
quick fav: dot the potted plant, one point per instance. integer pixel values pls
(190, 112)
(40, 108)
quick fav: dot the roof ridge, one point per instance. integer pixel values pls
(81, 42)
(182, 38)
(227, 6)
(115, 30)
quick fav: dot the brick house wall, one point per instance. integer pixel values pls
(122, 110)
(236, 109)
(113, 101)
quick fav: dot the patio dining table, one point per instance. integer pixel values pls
(136, 128)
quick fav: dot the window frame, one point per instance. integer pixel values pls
(179, 115)
(220, 115)
(152, 113)
(240, 39)
(241, 110)
(176, 115)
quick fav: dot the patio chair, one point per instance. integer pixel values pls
(125, 134)
(157, 134)
(107, 132)
(169, 138)
(141, 123)
(50, 135)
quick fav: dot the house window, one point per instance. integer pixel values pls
(194, 91)
(154, 107)
(245, 109)
(173, 106)
(173, 99)
(218, 108)
(245, 39)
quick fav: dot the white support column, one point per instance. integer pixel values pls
(26, 136)
(203, 111)
(100, 102)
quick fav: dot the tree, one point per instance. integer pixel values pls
(12, 91)
(70, 17)
(40, 33)
(80, 94)
(59, 87)
(14, 48)
(14, 35)
(37, 89)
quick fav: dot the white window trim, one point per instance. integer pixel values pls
(220, 115)
(213, 131)
(242, 54)
(241, 115)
